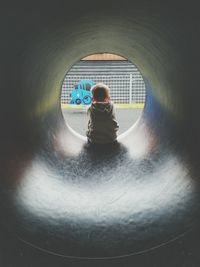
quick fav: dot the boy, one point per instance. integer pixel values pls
(102, 125)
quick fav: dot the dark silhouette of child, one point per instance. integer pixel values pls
(102, 124)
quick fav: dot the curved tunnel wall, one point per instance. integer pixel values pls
(48, 43)
(40, 43)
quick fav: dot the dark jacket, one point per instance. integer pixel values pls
(102, 124)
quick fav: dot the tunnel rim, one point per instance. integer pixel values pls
(119, 136)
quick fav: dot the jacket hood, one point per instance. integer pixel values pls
(102, 107)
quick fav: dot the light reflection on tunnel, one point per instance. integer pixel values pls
(44, 193)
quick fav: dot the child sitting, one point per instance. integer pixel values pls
(102, 125)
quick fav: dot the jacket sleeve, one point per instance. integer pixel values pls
(88, 111)
(116, 125)
(89, 121)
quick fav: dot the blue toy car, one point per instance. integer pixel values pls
(81, 93)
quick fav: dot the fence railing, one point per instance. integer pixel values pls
(129, 88)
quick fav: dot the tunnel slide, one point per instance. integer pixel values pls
(66, 204)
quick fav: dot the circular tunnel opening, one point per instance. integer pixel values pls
(127, 90)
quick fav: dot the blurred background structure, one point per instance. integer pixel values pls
(124, 79)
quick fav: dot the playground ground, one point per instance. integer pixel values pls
(76, 116)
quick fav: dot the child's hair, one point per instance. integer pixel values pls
(100, 92)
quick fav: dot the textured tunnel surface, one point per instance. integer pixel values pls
(63, 202)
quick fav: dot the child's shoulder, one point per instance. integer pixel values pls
(89, 109)
(111, 104)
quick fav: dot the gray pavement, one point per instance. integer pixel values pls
(77, 118)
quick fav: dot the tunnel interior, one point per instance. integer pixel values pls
(64, 198)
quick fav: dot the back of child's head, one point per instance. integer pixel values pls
(100, 92)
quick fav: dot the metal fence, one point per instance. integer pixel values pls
(129, 88)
